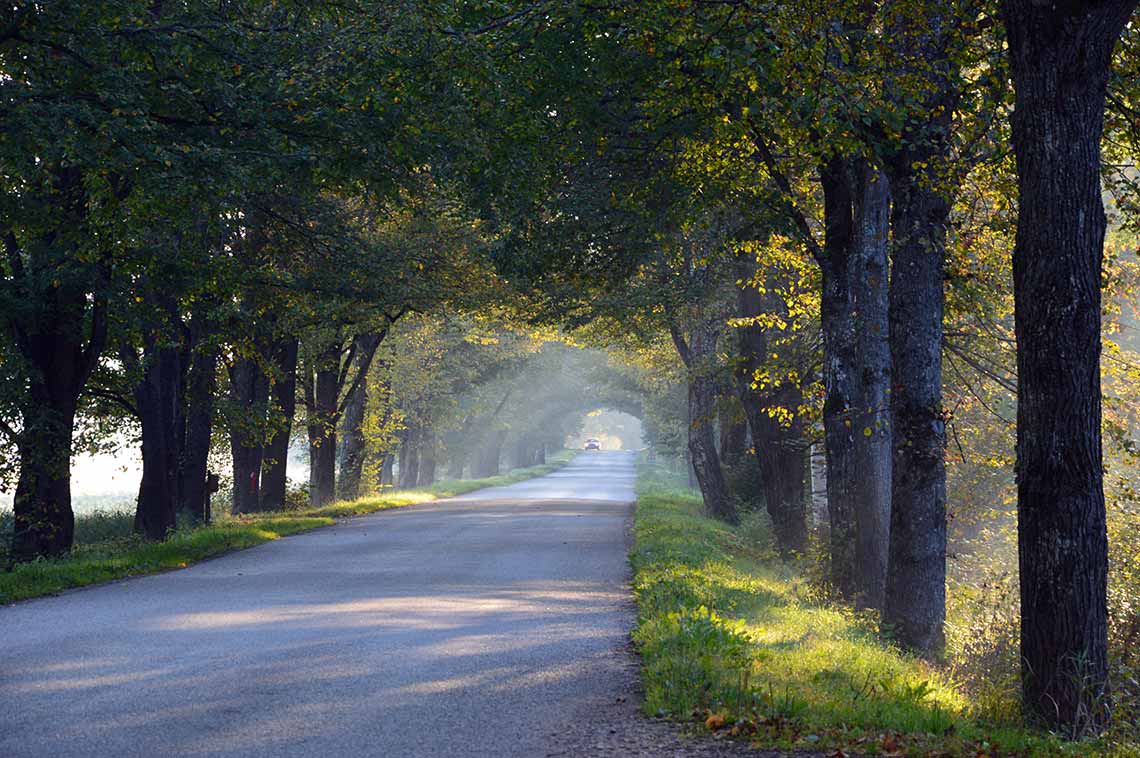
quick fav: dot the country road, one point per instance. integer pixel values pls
(483, 625)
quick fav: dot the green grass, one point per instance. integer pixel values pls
(727, 632)
(101, 556)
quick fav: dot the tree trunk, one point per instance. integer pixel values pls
(837, 326)
(352, 446)
(871, 422)
(779, 448)
(44, 522)
(283, 390)
(540, 455)
(1060, 56)
(426, 475)
(410, 459)
(249, 388)
(158, 399)
(697, 355)
(199, 403)
(733, 436)
(856, 369)
(915, 607)
(61, 296)
(322, 432)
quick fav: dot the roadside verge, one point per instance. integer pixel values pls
(736, 642)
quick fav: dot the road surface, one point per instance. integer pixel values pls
(483, 625)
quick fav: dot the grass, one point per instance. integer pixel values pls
(106, 550)
(731, 637)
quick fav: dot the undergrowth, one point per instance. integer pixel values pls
(735, 639)
(106, 548)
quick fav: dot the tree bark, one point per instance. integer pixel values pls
(322, 431)
(779, 448)
(915, 609)
(697, 353)
(1060, 56)
(856, 371)
(44, 522)
(838, 364)
(870, 418)
(59, 330)
(283, 392)
(158, 399)
(249, 388)
(353, 449)
(410, 458)
(427, 459)
(733, 436)
(352, 446)
(201, 384)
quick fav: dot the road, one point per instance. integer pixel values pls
(483, 625)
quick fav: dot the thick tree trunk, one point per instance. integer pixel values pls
(158, 399)
(352, 449)
(283, 393)
(322, 433)
(44, 522)
(249, 388)
(702, 449)
(733, 436)
(697, 354)
(838, 328)
(868, 283)
(854, 311)
(410, 458)
(60, 298)
(916, 579)
(1060, 55)
(779, 448)
(201, 385)
(540, 455)
(427, 462)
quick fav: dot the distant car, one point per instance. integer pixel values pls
(593, 445)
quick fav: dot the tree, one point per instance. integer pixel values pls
(1060, 56)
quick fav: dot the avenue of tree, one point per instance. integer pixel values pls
(870, 235)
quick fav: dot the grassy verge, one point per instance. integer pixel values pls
(119, 557)
(736, 640)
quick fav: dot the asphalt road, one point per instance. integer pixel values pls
(483, 625)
